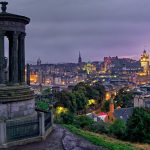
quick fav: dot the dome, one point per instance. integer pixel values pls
(4, 16)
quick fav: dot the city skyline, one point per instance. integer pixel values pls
(60, 29)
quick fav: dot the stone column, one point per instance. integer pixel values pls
(2, 132)
(52, 117)
(21, 58)
(28, 75)
(42, 124)
(13, 58)
(2, 57)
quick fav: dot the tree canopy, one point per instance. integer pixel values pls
(77, 99)
(124, 98)
(138, 125)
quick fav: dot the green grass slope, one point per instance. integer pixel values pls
(101, 140)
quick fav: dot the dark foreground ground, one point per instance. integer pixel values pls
(59, 139)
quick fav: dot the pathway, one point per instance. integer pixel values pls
(59, 139)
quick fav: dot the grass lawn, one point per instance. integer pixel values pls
(106, 141)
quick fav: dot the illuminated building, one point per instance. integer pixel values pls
(110, 91)
(145, 62)
(144, 76)
(108, 63)
(89, 68)
(34, 77)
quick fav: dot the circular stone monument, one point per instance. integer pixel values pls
(16, 98)
(19, 122)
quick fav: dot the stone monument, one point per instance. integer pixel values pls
(18, 118)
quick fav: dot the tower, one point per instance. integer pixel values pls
(79, 59)
(39, 62)
(111, 106)
(145, 62)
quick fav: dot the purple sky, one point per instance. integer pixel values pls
(59, 29)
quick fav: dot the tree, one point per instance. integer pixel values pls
(101, 89)
(80, 87)
(124, 98)
(83, 121)
(118, 128)
(99, 127)
(77, 99)
(67, 118)
(138, 125)
(46, 91)
(72, 98)
(92, 93)
(105, 107)
(81, 100)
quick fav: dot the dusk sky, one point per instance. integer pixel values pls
(59, 29)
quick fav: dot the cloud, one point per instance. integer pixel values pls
(59, 29)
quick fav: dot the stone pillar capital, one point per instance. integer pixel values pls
(23, 34)
(15, 35)
(2, 33)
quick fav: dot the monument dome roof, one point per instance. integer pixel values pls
(5, 16)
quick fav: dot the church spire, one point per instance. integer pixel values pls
(79, 59)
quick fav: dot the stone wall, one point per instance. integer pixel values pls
(17, 109)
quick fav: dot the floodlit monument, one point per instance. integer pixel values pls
(145, 62)
(19, 122)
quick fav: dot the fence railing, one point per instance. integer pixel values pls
(48, 120)
(22, 129)
(17, 130)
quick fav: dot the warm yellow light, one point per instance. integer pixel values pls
(91, 102)
(60, 110)
(33, 78)
(107, 96)
(63, 82)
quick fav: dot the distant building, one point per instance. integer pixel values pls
(119, 113)
(143, 76)
(39, 62)
(123, 113)
(117, 65)
(113, 114)
(142, 101)
(89, 68)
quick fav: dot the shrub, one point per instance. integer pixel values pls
(138, 125)
(99, 127)
(67, 118)
(83, 121)
(64, 118)
(118, 128)
(42, 105)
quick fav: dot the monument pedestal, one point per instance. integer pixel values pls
(19, 122)
(16, 101)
